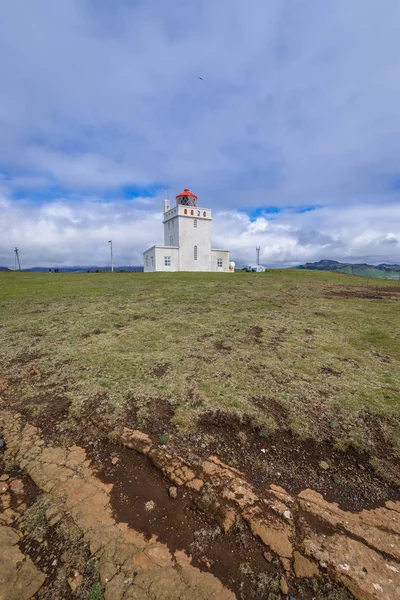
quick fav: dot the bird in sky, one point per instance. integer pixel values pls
(201, 78)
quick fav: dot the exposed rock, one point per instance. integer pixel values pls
(5, 501)
(324, 465)
(273, 533)
(195, 484)
(56, 519)
(150, 506)
(173, 492)
(228, 519)
(75, 581)
(379, 528)
(20, 579)
(393, 505)
(363, 571)
(304, 567)
(355, 548)
(137, 440)
(114, 460)
(284, 585)
(118, 548)
(17, 487)
(285, 562)
(4, 477)
(174, 467)
(268, 556)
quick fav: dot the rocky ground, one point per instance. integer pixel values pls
(133, 518)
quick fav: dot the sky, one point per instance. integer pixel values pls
(291, 137)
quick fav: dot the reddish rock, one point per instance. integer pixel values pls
(304, 567)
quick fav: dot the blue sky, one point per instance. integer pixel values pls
(292, 137)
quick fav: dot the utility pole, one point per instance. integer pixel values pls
(112, 258)
(258, 254)
(16, 259)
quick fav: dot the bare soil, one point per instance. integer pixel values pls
(372, 292)
(294, 464)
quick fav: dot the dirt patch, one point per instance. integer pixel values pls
(46, 409)
(385, 358)
(222, 347)
(271, 407)
(25, 358)
(253, 335)
(160, 370)
(146, 317)
(155, 415)
(330, 371)
(90, 333)
(389, 292)
(277, 339)
(281, 458)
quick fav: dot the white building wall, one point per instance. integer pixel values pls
(194, 231)
(222, 255)
(165, 252)
(154, 259)
(149, 260)
(171, 227)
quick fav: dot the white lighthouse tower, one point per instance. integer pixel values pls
(187, 240)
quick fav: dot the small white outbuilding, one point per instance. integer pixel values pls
(187, 240)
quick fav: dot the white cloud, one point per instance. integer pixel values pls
(68, 232)
(298, 106)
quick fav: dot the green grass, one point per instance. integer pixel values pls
(96, 593)
(326, 364)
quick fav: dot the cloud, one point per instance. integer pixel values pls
(69, 232)
(298, 106)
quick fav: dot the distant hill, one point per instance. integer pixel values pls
(4, 269)
(382, 271)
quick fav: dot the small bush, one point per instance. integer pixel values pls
(96, 593)
(164, 439)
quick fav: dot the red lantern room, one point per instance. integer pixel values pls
(186, 198)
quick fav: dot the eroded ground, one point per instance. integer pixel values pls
(145, 523)
(279, 395)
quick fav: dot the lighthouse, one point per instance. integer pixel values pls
(187, 240)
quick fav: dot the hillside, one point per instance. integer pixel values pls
(382, 271)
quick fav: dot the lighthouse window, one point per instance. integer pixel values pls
(185, 211)
(195, 223)
(219, 262)
(147, 261)
(195, 253)
(171, 240)
(192, 212)
(169, 225)
(152, 261)
(167, 261)
(204, 214)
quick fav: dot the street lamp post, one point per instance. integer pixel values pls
(112, 258)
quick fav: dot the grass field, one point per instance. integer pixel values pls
(312, 352)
